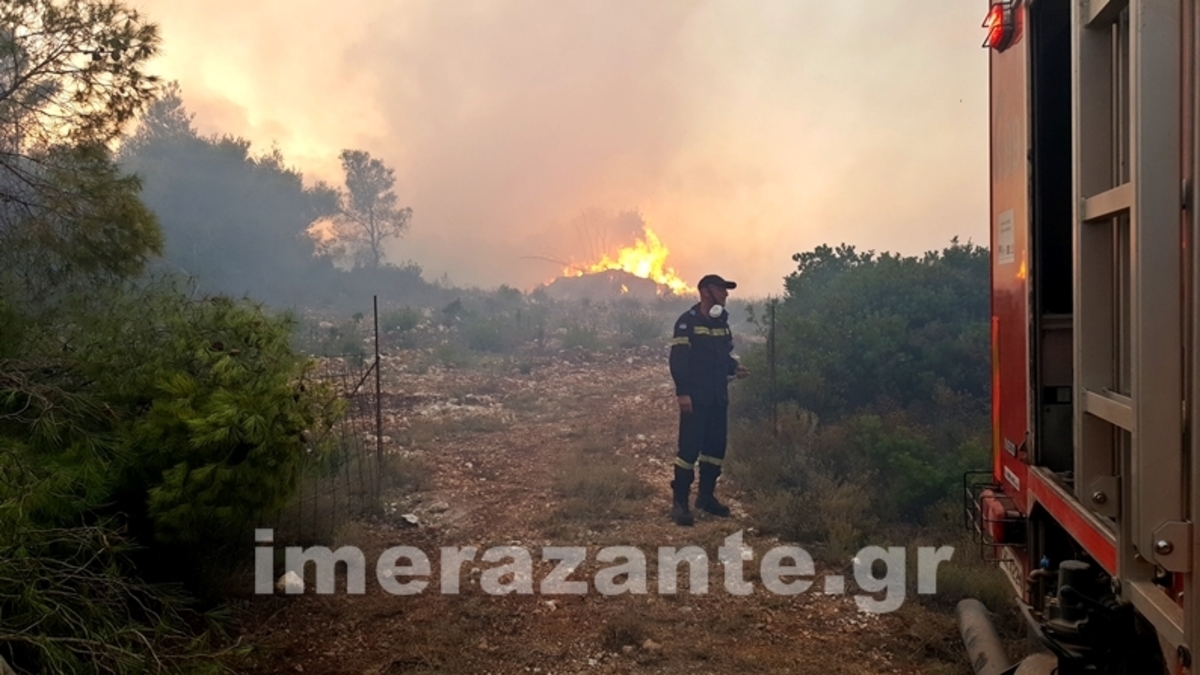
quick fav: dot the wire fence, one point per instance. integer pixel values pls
(346, 484)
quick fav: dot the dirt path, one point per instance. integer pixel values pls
(565, 452)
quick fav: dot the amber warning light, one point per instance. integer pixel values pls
(999, 25)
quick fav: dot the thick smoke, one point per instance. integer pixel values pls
(741, 131)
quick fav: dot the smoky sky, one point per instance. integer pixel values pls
(743, 131)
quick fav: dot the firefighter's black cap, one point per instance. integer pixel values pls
(714, 280)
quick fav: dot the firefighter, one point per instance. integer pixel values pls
(702, 365)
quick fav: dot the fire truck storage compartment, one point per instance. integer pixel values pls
(1051, 223)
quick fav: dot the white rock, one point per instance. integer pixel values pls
(410, 519)
(290, 583)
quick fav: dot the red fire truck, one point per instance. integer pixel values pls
(1094, 491)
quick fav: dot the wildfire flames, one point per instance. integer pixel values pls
(646, 259)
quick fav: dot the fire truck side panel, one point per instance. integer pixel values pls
(1094, 155)
(1010, 262)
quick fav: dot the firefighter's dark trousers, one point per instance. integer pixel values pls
(702, 438)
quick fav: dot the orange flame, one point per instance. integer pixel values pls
(645, 259)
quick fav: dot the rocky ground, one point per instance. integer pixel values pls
(573, 450)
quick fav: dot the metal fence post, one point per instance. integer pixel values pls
(771, 361)
(378, 407)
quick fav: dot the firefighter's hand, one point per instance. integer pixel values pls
(742, 372)
(685, 404)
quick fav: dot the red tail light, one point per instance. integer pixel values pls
(1000, 25)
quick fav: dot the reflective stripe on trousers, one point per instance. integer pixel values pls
(702, 438)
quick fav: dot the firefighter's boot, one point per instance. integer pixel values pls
(681, 488)
(705, 500)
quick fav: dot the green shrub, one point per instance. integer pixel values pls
(399, 321)
(494, 335)
(640, 327)
(195, 419)
(229, 416)
(168, 429)
(454, 356)
(921, 464)
(581, 336)
(344, 339)
(91, 614)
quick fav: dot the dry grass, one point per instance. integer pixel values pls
(596, 445)
(528, 402)
(596, 486)
(404, 475)
(629, 630)
(960, 579)
(792, 497)
(350, 533)
(596, 491)
(932, 640)
(444, 651)
(426, 431)
(841, 510)
(475, 424)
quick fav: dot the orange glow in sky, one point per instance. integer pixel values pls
(745, 130)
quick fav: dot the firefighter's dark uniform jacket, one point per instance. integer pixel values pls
(702, 358)
(701, 364)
